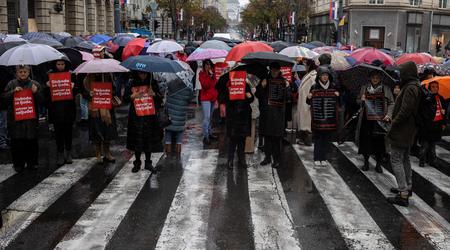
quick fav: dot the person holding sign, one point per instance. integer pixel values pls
(323, 99)
(102, 119)
(144, 134)
(61, 109)
(22, 96)
(271, 94)
(208, 96)
(377, 103)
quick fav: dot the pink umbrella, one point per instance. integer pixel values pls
(418, 58)
(203, 54)
(368, 55)
(323, 50)
(87, 56)
(100, 66)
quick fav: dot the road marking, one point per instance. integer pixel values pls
(424, 219)
(355, 224)
(273, 226)
(98, 224)
(440, 180)
(186, 224)
(23, 211)
(443, 154)
(6, 171)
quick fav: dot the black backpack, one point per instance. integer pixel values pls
(426, 111)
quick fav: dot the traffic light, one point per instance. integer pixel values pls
(155, 24)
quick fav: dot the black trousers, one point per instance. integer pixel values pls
(427, 152)
(236, 143)
(322, 141)
(272, 147)
(148, 156)
(63, 136)
(24, 151)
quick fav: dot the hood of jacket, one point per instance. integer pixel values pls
(408, 73)
(322, 70)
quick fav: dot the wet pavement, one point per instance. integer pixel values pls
(195, 202)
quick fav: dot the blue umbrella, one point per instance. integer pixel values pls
(86, 46)
(350, 60)
(122, 40)
(100, 39)
(152, 64)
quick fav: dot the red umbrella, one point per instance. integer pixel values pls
(368, 55)
(241, 50)
(133, 48)
(418, 58)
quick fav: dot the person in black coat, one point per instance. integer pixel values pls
(62, 115)
(144, 134)
(432, 133)
(322, 138)
(272, 113)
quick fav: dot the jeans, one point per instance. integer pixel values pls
(84, 109)
(321, 145)
(401, 166)
(3, 129)
(178, 135)
(208, 109)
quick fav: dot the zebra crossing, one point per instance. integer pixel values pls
(272, 214)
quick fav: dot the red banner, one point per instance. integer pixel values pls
(145, 104)
(219, 69)
(60, 86)
(237, 85)
(24, 105)
(287, 73)
(102, 98)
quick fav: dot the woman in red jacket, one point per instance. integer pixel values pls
(208, 96)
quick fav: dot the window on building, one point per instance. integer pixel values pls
(376, 1)
(415, 2)
(443, 4)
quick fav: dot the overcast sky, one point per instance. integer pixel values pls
(243, 2)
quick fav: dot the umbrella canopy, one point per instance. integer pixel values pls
(37, 35)
(223, 39)
(368, 55)
(177, 81)
(6, 46)
(317, 44)
(355, 77)
(10, 39)
(256, 69)
(75, 57)
(64, 34)
(266, 58)
(100, 66)
(122, 40)
(307, 45)
(152, 64)
(86, 56)
(86, 46)
(203, 54)
(323, 50)
(73, 41)
(439, 69)
(30, 54)
(280, 45)
(444, 85)
(418, 58)
(338, 61)
(133, 48)
(100, 39)
(2, 36)
(215, 44)
(165, 46)
(297, 51)
(49, 42)
(243, 49)
(299, 68)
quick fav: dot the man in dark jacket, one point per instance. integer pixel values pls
(403, 130)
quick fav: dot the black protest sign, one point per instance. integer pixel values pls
(277, 92)
(324, 109)
(375, 108)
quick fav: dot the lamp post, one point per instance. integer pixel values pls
(154, 7)
(23, 16)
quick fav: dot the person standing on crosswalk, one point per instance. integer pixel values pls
(23, 128)
(144, 133)
(370, 134)
(402, 132)
(208, 97)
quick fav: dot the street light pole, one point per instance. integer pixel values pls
(154, 7)
(23, 16)
(116, 16)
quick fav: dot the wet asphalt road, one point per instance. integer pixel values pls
(228, 220)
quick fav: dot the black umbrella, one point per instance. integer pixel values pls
(266, 58)
(354, 78)
(152, 64)
(280, 45)
(256, 69)
(6, 46)
(223, 39)
(318, 44)
(75, 57)
(50, 42)
(73, 41)
(86, 46)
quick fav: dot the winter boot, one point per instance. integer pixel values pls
(378, 167)
(136, 166)
(60, 159)
(366, 164)
(69, 157)
(400, 199)
(396, 191)
(266, 161)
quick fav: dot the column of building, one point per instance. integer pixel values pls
(75, 17)
(109, 8)
(3, 17)
(91, 16)
(42, 15)
(101, 25)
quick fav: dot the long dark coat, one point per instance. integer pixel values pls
(433, 132)
(272, 118)
(26, 129)
(239, 116)
(144, 134)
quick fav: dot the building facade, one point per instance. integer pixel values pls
(74, 16)
(408, 25)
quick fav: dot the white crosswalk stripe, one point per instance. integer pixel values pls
(424, 219)
(353, 221)
(6, 171)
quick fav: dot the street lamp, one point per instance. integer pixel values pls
(154, 7)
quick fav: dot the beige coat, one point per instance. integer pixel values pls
(303, 109)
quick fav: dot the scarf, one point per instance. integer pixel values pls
(326, 85)
(104, 114)
(438, 116)
(372, 90)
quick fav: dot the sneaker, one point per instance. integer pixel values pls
(324, 163)
(317, 163)
(398, 200)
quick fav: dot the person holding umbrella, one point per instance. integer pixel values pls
(144, 133)
(22, 96)
(304, 112)
(370, 133)
(208, 96)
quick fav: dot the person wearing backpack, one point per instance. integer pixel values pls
(403, 129)
(432, 132)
